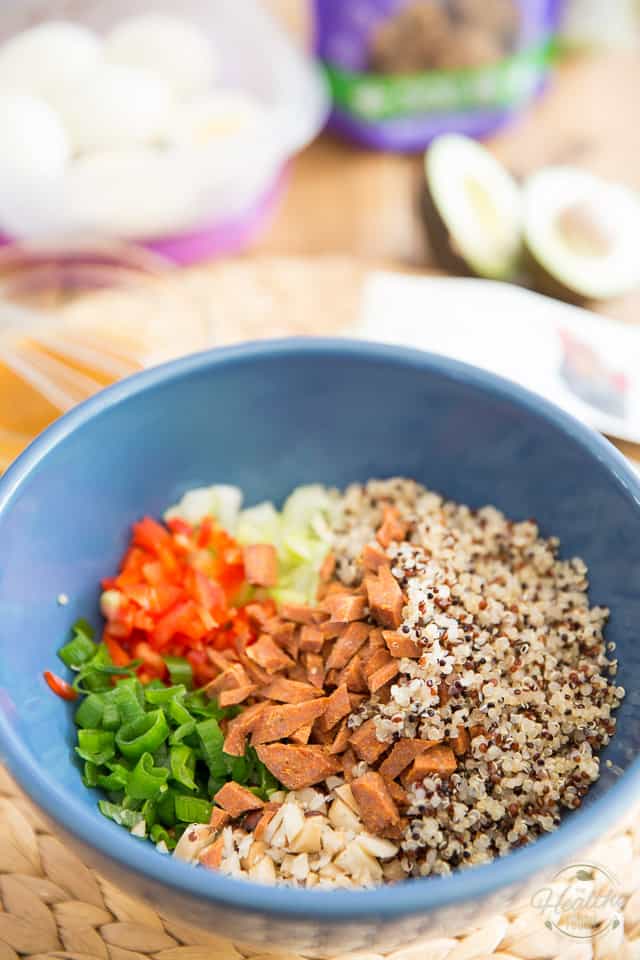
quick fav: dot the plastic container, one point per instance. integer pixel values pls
(401, 72)
(186, 203)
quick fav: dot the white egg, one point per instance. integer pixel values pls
(49, 60)
(116, 106)
(219, 117)
(33, 142)
(175, 48)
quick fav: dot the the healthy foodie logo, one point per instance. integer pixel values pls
(583, 901)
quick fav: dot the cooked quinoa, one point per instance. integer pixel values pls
(504, 698)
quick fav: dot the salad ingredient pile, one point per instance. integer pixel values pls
(389, 685)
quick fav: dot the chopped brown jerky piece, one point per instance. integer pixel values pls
(289, 691)
(261, 564)
(211, 856)
(382, 676)
(443, 693)
(366, 744)
(268, 813)
(256, 673)
(438, 760)
(236, 799)
(302, 734)
(341, 739)
(338, 706)
(287, 636)
(355, 635)
(476, 730)
(258, 615)
(344, 607)
(314, 665)
(327, 567)
(298, 673)
(311, 639)
(385, 598)
(402, 754)
(375, 805)
(277, 722)
(330, 629)
(373, 557)
(376, 640)
(349, 761)
(357, 699)
(222, 660)
(353, 677)
(393, 528)
(332, 678)
(297, 766)
(460, 743)
(251, 820)
(219, 818)
(380, 658)
(233, 676)
(230, 698)
(397, 793)
(268, 654)
(400, 644)
(301, 613)
(239, 728)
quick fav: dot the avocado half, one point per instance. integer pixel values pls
(472, 208)
(582, 235)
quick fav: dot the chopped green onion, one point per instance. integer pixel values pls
(110, 716)
(180, 671)
(90, 712)
(143, 735)
(238, 767)
(178, 712)
(184, 730)
(166, 808)
(122, 816)
(90, 774)
(95, 745)
(212, 739)
(160, 696)
(77, 652)
(126, 700)
(116, 780)
(183, 766)
(146, 781)
(160, 835)
(192, 810)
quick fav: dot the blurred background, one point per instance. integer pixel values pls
(457, 175)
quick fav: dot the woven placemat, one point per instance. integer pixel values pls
(53, 906)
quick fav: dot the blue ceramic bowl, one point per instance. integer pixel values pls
(267, 417)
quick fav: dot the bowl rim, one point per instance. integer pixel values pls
(412, 896)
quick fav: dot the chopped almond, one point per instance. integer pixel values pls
(211, 856)
(344, 607)
(338, 706)
(301, 613)
(402, 754)
(261, 564)
(375, 805)
(347, 645)
(385, 598)
(230, 698)
(382, 676)
(314, 665)
(268, 654)
(311, 639)
(373, 557)
(289, 691)
(302, 734)
(438, 760)
(393, 528)
(401, 644)
(460, 743)
(239, 728)
(236, 799)
(366, 744)
(219, 818)
(277, 722)
(327, 568)
(297, 766)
